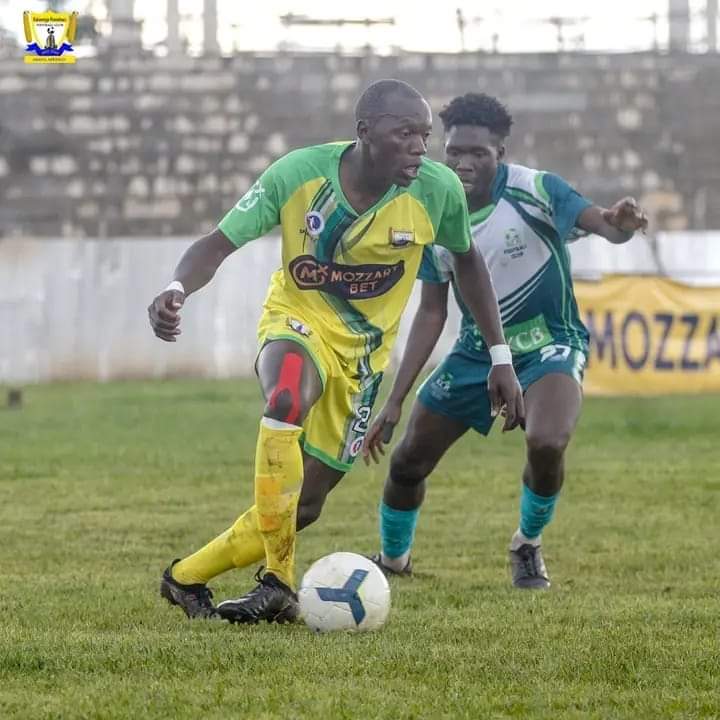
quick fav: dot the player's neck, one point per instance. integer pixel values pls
(361, 186)
(478, 202)
(481, 198)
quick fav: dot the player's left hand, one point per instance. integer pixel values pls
(626, 215)
(506, 396)
(164, 315)
(380, 432)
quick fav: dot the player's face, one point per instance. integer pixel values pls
(397, 139)
(473, 152)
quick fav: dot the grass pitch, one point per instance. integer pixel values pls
(101, 486)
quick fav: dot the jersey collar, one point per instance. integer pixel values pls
(335, 180)
(499, 183)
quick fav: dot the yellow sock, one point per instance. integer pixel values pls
(278, 479)
(239, 546)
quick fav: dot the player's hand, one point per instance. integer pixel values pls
(506, 396)
(626, 215)
(163, 313)
(380, 432)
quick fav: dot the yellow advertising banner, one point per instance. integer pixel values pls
(650, 336)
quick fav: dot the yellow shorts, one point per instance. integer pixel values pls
(336, 425)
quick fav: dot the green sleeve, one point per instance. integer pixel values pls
(454, 226)
(258, 210)
(435, 267)
(567, 204)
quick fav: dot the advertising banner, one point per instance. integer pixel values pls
(650, 336)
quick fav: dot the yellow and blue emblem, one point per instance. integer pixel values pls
(49, 36)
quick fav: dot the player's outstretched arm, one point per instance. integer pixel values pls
(476, 288)
(616, 224)
(425, 330)
(196, 268)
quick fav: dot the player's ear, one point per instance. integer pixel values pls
(501, 152)
(362, 129)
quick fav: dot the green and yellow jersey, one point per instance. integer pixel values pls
(350, 274)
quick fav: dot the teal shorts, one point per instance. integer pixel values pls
(458, 385)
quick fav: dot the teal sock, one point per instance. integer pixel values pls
(397, 530)
(536, 511)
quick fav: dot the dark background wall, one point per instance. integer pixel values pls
(114, 146)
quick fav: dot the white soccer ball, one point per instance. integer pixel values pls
(344, 591)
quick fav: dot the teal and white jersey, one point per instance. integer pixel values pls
(522, 236)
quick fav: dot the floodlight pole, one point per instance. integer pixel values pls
(711, 10)
(461, 27)
(679, 25)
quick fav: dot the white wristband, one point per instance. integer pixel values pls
(500, 355)
(175, 285)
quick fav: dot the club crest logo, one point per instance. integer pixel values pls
(299, 327)
(49, 36)
(514, 245)
(314, 223)
(401, 238)
(251, 198)
(442, 385)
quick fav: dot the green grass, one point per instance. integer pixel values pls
(100, 486)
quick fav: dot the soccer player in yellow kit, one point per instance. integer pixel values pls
(355, 217)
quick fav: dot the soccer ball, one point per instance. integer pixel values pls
(344, 591)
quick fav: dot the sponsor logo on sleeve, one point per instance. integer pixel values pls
(314, 223)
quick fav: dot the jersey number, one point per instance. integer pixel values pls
(360, 425)
(555, 353)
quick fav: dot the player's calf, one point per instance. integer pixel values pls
(402, 497)
(405, 484)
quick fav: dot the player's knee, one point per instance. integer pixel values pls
(408, 466)
(308, 511)
(285, 407)
(285, 401)
(546, 447)
(312, 501)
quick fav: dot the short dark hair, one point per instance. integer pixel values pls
(477, 109)
(373, 101)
